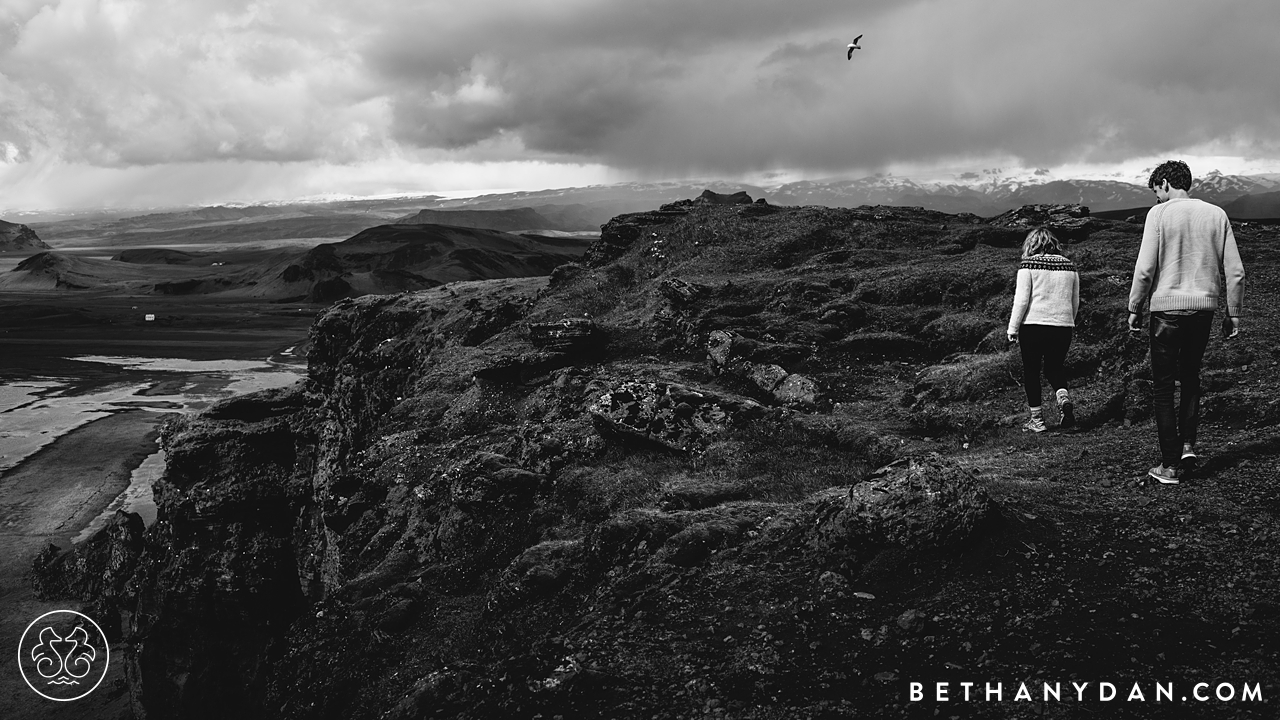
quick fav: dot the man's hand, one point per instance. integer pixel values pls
(1135, 322)
(1235, 327)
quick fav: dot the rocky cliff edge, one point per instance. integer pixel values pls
(741, 461)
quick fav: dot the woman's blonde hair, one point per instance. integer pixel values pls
(1041, 242)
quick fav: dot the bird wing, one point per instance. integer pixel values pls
(850, 55)
(855, 40)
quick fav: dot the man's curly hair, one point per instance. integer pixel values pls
(1175, 171)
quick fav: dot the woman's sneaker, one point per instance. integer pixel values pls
(1165, 475)
(1068, 410)
(1035, 425)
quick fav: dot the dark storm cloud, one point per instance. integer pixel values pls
(581, 78)
(734, 87)
(654, 86)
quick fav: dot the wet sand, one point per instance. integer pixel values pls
(50, 497)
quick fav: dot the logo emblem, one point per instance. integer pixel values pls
(63, 655)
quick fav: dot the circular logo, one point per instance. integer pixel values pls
(63, 655)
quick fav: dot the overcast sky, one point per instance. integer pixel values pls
(152, 102)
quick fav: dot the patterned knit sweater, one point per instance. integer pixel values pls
(1048, 293)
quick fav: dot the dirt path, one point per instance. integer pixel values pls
(49, 498)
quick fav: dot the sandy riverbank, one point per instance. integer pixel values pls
(50, 497)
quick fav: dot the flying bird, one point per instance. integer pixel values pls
(854, 46)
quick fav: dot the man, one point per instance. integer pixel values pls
(1187, 247)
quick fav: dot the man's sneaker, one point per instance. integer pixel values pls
(1165, 475)
(1189, 452)
(1035, 425)
(1068, 414)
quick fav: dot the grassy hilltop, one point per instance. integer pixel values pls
(782, 478)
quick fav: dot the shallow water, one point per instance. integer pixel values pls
(137, 498)
(34, 412)
(51, 409)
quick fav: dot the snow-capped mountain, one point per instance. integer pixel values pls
(1222, 189)
(986, 193)
(995, 191)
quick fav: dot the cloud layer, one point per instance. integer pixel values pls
(654, 87)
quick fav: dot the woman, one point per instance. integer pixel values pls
(1044, 315)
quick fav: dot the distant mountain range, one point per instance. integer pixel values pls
(585, 209)
(988, 194)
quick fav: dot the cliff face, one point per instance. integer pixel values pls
(227, 566)
(659, 481)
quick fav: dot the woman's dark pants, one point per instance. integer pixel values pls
(1047, 344)
(1178, 341)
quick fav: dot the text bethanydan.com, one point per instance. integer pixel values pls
(1083, 692)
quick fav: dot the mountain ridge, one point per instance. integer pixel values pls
(988, 194)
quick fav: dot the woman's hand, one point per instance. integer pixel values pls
(1013, 337)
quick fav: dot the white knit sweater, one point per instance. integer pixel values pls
(1187, 250)
(1048, 293)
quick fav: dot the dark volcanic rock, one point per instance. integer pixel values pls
(617, 235)
(19, 237)
(1071, 223)
(449, 520)
(715, 198)
(96, 571)
(749, 361)
(226, 567)
(670, 415)
(918, 503)
(563, 335)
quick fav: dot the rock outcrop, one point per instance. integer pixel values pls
(19, 237)
(1070, 222)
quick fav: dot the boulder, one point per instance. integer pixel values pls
(767, 377)
(799, 391)
(563, 335)
(919, 503)
(714, 198)
(681, 294)
(729, 353)
(673, 416)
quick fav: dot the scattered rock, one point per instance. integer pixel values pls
(672, 415)
(563, 335)
(912, 621)
(832, 582)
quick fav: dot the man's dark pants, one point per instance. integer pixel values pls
(1178, 340)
